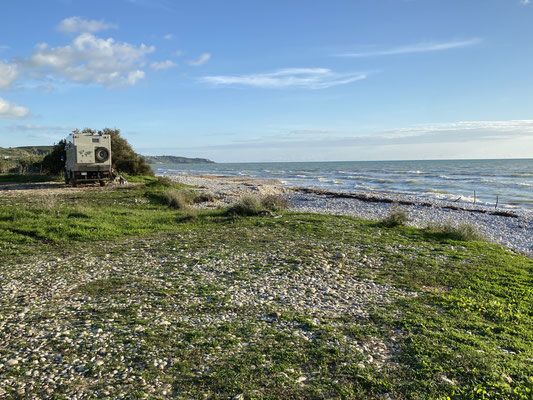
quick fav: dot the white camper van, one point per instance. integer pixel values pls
(88, 158)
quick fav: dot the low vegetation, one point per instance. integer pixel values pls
(109, 292)
(179, 199)
(397, 217)
(250, 205)
(205, 197)
(165, 181)
(464, 231)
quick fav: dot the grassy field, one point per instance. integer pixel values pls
(109, 293)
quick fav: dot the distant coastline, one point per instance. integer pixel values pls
(176, 160)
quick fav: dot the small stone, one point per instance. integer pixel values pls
(445, 379)
(12, 362)
(301, 379)
(239, 396)
(340, 255)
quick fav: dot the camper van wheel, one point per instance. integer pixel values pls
(102, 182)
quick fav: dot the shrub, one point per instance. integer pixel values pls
(397, 217)
(255, 205)
(205, 196)
(466, 231)
(275, 203)
(54, 162)
(179, 200)
(246, 206)
(165, 181)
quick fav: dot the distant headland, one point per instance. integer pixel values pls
(176, 160)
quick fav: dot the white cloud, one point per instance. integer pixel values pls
(168, 36)
(158, 65)
(467, 128)
(311, 132)
(8, 73)
(525, 1)
(307, 78)
(202, 60)
(89, 59)
(10, 110)
(415, 48)
(79, 24)
(41, 128)
(431, 134)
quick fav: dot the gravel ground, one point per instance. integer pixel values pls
(514, 232)
(87, 327)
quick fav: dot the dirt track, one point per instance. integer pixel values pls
(48, 188)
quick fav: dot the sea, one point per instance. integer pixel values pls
(507, 183)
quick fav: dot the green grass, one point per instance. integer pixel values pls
(86, 216)
(465, 333)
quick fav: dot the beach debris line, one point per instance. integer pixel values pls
(378, 199)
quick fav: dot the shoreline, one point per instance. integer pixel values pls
(511, 228)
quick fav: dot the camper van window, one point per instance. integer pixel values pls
(96, 140)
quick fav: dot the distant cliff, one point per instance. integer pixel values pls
(176, 160)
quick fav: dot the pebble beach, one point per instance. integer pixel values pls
(513, 229)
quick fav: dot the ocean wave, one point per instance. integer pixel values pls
(415, 172)
(491, 181)
(437, 191)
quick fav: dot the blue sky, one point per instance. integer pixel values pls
(289, 80)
